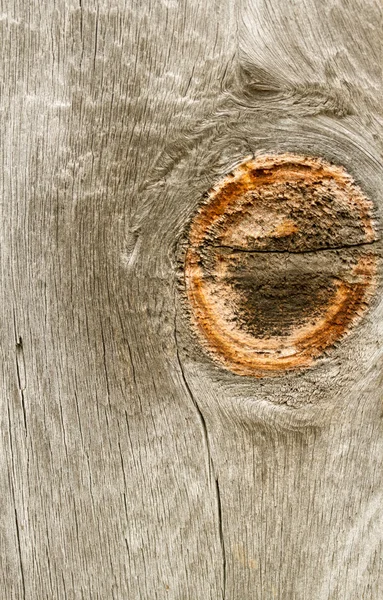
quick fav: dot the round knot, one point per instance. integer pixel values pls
(279, 263)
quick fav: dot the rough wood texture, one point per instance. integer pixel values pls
(134, 467)
(279, 263)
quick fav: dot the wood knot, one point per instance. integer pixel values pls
(279, 263)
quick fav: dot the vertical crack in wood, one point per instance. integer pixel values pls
(20, 554)
(221, 537)
(20, 371)
(21, 380)
(201, 418)
(12, 486)
(213, 479)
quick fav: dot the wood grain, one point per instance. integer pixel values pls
(133, 467)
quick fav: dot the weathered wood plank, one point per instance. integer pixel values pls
(133, 466)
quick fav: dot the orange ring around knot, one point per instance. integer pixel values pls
(280, 263)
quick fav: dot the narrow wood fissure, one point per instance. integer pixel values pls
(20, 371)
(211, 471)
(20, 553)
(221, 536)
(308, 251)
(12, 489)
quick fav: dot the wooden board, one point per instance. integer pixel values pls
(134, 466)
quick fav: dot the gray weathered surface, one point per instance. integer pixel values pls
(132, 466)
